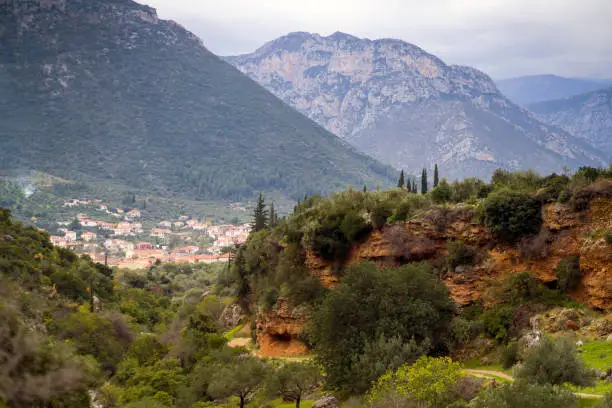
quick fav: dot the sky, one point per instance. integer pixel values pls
(504, 38)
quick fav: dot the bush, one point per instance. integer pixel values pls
(568, 273)
(408, 302)
(459, 254)
(497, 322)
(462, 331)
(536, 247)
(522, 288)
(509, 355)
(521, 394)
(555, 361)
(428, 382)
(511, 215)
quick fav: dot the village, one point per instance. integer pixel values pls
(119, 237)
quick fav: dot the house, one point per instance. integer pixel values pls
(160, 232)
(144, 246)
(59, 241)
(178, 224)
(137, 227)
(133, 214)
(106, 225)
(123, 228)
(183, 217)
(212, 258)
(71, 236)
(165, 224)
(89, 223)
(88, 236)
(188, 250)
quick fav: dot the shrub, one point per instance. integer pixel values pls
(428, 382)
(509, 355)
(497, 322)
(442, 193)
(568, 273)
(522, 288)
(521, 394)
(555, 361)
(535, 247)
(70, 285)
(462, 331)
(459, 254)
(511, 215)
(408, 302)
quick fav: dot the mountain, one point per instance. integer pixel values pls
(408, 108)
(104, 90)
(527, 90)
(588, 116)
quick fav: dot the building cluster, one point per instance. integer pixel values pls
(126, 243)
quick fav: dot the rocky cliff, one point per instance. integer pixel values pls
(564, 233)
(588, 116)
(408, 108)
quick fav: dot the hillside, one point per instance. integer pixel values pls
(532, 89)
(104, 90)
(588, 116)
(408, 108)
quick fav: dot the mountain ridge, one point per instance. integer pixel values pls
(109, 90)
(386, 96)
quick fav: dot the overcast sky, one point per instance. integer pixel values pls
(504, 38)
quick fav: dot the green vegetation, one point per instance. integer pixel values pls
(521, 394)
(568, 273)
(406, 302)
(556, 362)
(511, 215)
(203, 131)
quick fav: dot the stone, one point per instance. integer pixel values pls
(329, 401)
(231, 316)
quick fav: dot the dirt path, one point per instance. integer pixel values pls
(501, 374)
(239, 342)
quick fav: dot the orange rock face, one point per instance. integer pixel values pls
(565, 233)
(278, 331)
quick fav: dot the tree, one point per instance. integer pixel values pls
(511, 215)
(293, 380)
(522, 394)
(428, 382)
(409, 184)
(568, 273)
(424, 181)
(260, 215)
(365, 188)
(401, 182)
(436, 177)
(241, 379)
(414, 186)
(406, 302)
(555, 361)
(273, 217)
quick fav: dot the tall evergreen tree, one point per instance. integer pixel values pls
(401, 183)
(436, 176)
(273, 217)
(365, 188)
(414, 186)
(409, 184)
(424, 181)
(260, 215)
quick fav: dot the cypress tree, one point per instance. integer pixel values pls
(424, 181)
(409, 184)
(273, 217)
(401, 182)
(365, 188)
(260, 215)
(436, 177)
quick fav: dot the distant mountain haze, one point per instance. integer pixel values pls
(105, 89)
(408, 108)
(588, 116)
(539, 88)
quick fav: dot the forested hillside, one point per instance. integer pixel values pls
(104, 90)
(392, 331)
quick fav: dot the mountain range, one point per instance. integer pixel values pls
(587, 115)
(532, 89)
(406, 107)
(105, 90)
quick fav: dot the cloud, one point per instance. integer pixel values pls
(504, 38)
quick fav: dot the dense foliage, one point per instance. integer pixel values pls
(406, 302)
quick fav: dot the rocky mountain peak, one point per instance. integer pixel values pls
(387, 96)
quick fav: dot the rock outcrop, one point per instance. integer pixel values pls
(564, 233)
(279, 331)
(395, 101)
